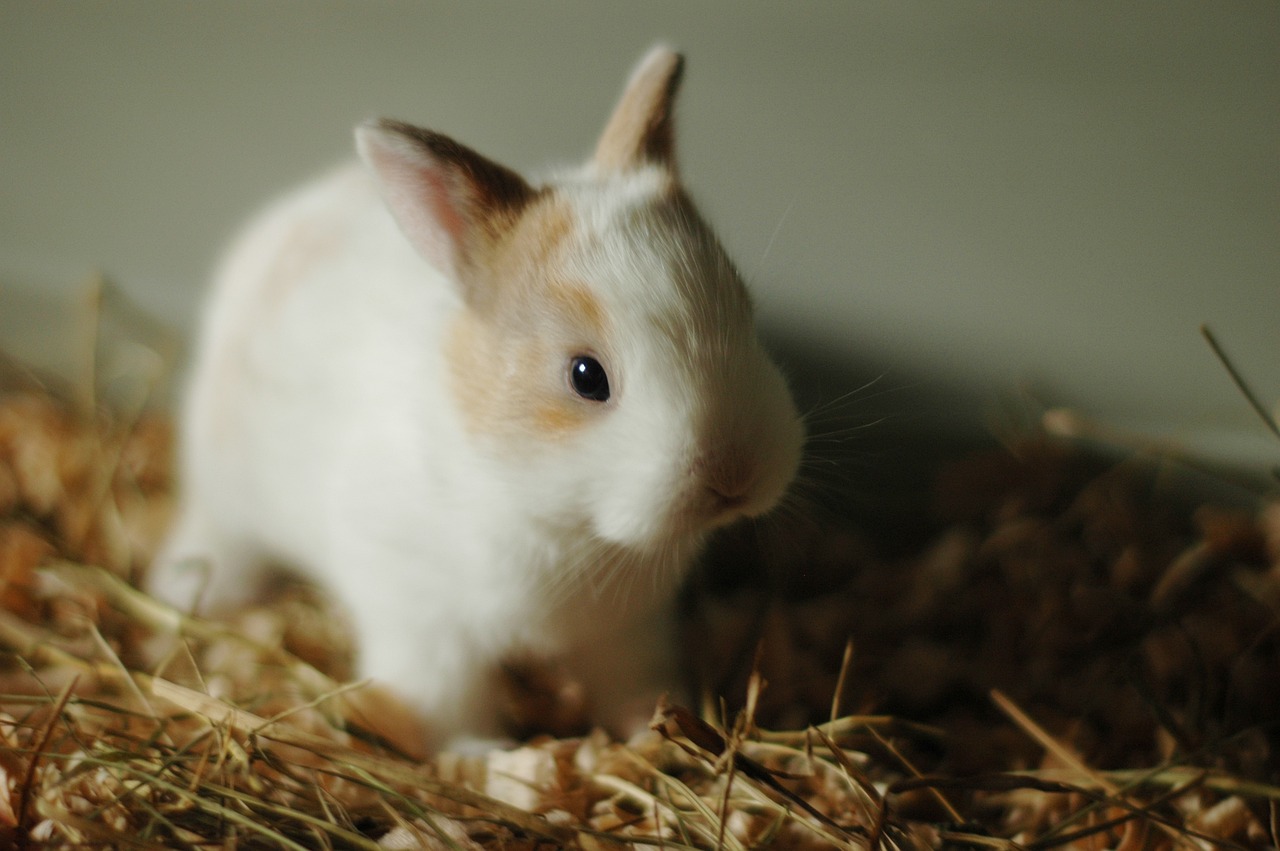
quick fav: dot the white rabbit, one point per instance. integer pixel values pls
(490, 416)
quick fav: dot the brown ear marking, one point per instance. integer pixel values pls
(453, 203)
(641, 130)
(494, 186)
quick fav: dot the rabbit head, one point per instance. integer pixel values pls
(603, 355)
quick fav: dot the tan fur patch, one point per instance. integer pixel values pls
(518, 263)
(534, 243)
(544, 230)
(560, 417)
(466, 346)
(502, 350)
(534, 257)
(501, 386)
(579, 305)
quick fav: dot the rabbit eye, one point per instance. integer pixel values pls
(588, 378)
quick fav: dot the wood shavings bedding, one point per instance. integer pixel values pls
(1072, 660)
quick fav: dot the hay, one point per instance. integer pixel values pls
(1070, 660)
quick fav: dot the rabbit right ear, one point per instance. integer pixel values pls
(450, 202)
(640, 130)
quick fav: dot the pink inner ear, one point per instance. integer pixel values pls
(447, 199)
(439, 194)
(421, 195)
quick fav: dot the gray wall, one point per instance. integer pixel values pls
(970, 200)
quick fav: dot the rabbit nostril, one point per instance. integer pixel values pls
(727, 501)
(727, 480)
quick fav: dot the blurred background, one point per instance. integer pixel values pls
(977, 207)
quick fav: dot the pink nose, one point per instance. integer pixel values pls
(728, 478)
(727, 503)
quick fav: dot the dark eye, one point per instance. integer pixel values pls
(588, 378)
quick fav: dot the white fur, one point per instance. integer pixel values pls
(324, 430)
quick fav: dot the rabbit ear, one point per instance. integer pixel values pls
(451, 203)
(640, 131)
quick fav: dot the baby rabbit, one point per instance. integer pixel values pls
(490, 416)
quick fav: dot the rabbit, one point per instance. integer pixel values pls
(489, 416)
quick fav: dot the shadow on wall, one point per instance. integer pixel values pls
(877, 435)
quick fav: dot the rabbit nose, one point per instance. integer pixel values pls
(728, 479)
(726, 503)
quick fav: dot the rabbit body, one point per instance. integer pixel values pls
(490, 417)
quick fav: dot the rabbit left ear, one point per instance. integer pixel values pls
(450, 202)
(640, 131)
